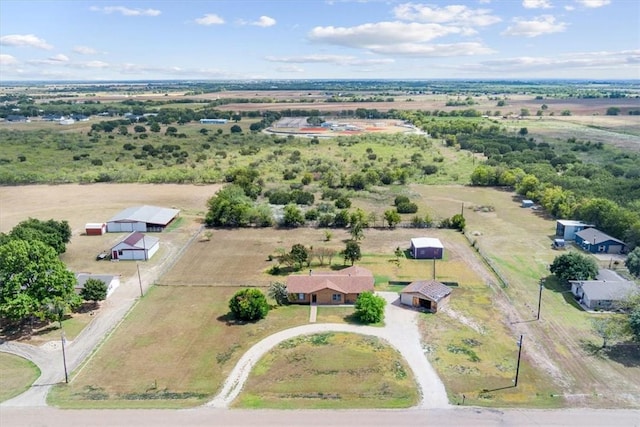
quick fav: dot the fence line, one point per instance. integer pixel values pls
(474, 244)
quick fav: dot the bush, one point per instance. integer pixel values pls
(249, 304)
(408, 207)
(370, 308)
(401, 199)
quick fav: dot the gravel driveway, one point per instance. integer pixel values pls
(400, 331)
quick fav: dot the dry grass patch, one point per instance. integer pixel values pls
(330, 370)
(174, 349)
(16, 375)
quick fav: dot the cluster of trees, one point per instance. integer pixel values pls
(231, 207)
(34, 282)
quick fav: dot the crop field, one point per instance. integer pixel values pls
(330, 371)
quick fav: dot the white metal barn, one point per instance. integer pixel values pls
(135, 246)
(142, 218)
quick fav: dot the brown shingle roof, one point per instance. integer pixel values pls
(352, 280)
(429, 288)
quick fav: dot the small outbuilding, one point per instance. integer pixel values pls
(429, 295)
(142, 218)
(95, 228)
(597, 242)
(426, 248)
(112, 282)
(135, 246)
(527, 203)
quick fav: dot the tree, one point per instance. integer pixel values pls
(392, 217)
(574, 266)
(249, 304)
(634, 322)
(299, 254)
(235, 129)
(369, 308)
(53, 233)
(633, 262)
(155, 127)
(94, 290)
(523, 132)
(458, 222)
(609, 329)
(139, 129)
(230, 207)
(292, 217)
(613, 111)
(352, 252)
(278, 292)
(31, 278)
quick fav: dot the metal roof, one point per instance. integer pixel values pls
(605, 290)
(594, 236)
(428, 288)
(426, 242)
(138, 240)
(148, 214)
(572, 222)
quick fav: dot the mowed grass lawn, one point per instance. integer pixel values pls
(16, 375)
(330, 370)
(173, 350)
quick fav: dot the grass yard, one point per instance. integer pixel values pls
(16, 375)
(335, 314)
(330, 370)
(174, 350)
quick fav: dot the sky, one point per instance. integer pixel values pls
(319, 39)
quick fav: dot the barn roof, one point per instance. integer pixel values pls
(352, 280)
(148, 214)
(430, 289)
(592, 235)
(138, 240)
(426, 242)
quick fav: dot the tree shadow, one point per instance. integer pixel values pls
(13, 331)
(627, 354)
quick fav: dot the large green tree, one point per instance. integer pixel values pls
(352, 252)
(249, 304)
(32, 277)
(230, 207)
(369, 308)
(53, 233)
(94, 290)
(633, 262)
(574, 266)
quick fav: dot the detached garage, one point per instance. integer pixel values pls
(142, 218)
(426, 248)
(135, 247)
(428, 295)
(95, 228)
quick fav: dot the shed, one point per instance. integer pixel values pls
(111, 281)
(95, 228)
(567, 228)
(135, 246)
(426, 248)
(597, 242)
(527, 203)
(142, 218)
(426, 294)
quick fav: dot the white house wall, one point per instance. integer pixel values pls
(152, 250)
(406, 299)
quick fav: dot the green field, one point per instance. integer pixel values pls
(16, 375)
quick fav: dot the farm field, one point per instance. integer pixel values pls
(16, 375)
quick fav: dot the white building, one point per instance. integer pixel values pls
(135, 246)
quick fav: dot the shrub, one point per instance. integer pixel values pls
(407, 207)
(369, 308)
(249, 304)
(401, 199)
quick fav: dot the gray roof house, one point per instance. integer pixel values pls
(604, 292)
(141, 218)
(426, 294)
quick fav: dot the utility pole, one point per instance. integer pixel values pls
(139, 280)
(540, 298)
(64, 356)
(518, 364)
(434, 269)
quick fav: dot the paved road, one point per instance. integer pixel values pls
(203, 416)
(400, 331)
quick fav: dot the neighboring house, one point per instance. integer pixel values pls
(112, 281)
(596, 242)
(604, 292)
(329, 287)
(135, 246)
(426, 248)
(567, 229)
(95, 228)
(426, 294)
(142, 218)
(213, 121)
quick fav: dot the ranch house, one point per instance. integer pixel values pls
(596, 242)
(426, 248)
(142, 218)
(604, 292)
(428, 295)
(135, 247)
(329, 287)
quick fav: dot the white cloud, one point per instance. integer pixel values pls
(569, 7)
(210, 19)
(453, 14)
(593, 3)
(94, 64)
(264, 21)
(290, 69)
(536, 4)
(7, 59)
(435, 50)
(125, 11)
(84, 50)
(329, 59)
(545, 24)
(59, 58)
(24, 40)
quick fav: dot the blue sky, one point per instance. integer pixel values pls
(319, 39)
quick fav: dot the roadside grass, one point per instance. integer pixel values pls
(330, 371)
(16, 375)
(173, 350)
